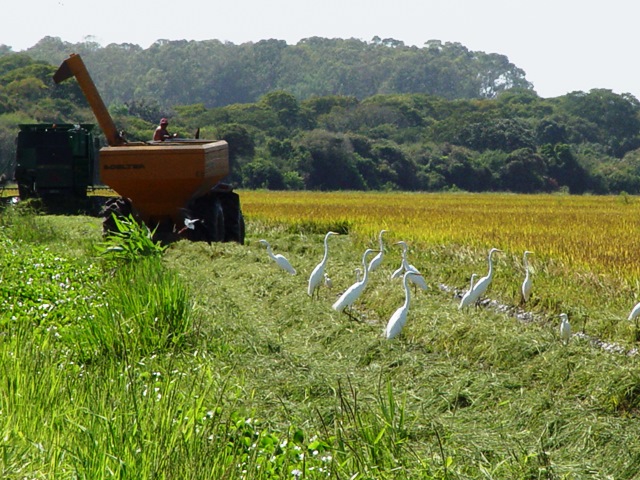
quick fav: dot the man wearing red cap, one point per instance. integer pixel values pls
(161, 132)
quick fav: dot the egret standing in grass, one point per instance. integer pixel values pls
(482, 285)
(327, 282)
(354, 291)
(527, 283)
(315, 279)
(466, 298)
(404, 264)
(418, 279)
(280, 260)
(399, 317)
(634, 313)
(358, 272)
(565, 329)
(398, 272)
(634, 316)
(377, 260)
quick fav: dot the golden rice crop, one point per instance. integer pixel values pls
(597, 233)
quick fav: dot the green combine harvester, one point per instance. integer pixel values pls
(55, 160)
(57, 163)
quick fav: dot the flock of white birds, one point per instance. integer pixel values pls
(409, 274)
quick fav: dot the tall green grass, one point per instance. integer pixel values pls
(146, 310)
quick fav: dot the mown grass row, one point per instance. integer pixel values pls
(480, 394)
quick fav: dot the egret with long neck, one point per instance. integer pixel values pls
(482, 285)
(466, 298)
(527, 283)
(377, 260)
(354, 291)
(417, 280)
(315, 279)
(399, 317)
(280, 260)
(565, 329)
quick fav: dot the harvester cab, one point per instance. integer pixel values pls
(166, 184)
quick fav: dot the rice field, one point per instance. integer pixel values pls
(587, 233)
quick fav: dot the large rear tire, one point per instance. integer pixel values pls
(240, 238)
(233, 219)
(119, 207)
(209, 211)
(220, 216)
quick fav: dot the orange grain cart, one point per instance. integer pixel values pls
(163, 183)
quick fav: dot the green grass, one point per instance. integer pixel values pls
(207, 361)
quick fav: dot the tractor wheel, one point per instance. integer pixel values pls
(120, 208)
(240, 238)
(219, 222)
(234, 221)
(209, 210)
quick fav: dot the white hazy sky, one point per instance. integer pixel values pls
(562, 45)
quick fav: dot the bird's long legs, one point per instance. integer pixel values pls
(349, 312)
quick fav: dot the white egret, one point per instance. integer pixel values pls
(358, 272)
(467, 298)
(354, 291)
(399, 317)
(634, 313)
(377, 260)
(527, 283)
(327, 281)
(279, 259)
(189, 224)
(481, 285)
(418, 279)
(398, 272)
(318, 272)
(565, 329)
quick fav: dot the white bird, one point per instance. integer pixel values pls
(318, 272)
(358, 272)
(399, 317)
(398, 272)
(354, 291)
(279, 259)
(377, 260)
(189, 224)
(327, 281)
(565, 328)
(634, 313)
(481, 285)
(527, 283)
(466, 298)
(418, 279)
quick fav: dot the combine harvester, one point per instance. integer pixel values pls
(167, 185)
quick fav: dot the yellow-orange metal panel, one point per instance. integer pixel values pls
(162, 178)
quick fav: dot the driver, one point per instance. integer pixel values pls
(161, 133)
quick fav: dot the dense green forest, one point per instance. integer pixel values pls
(343, 114)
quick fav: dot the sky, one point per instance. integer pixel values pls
(562, 45)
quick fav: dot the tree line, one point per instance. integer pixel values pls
(499, 138)
(217, 73)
